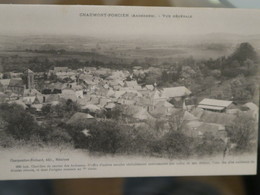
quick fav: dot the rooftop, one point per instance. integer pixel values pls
(79, 117)
(175, 92)
(215, 103)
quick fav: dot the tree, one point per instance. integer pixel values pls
(153, 76)
(116, 113)
(250, 67)
(20, 124)
(176, 144)
(175, 120)
(242, 132)
(207, 83)
(6, 75)
(71, 106)
(242, 61)
(243, 52)
(216, 73)
(209, 145)
(106, 136)
(53, 78)
(242, 89)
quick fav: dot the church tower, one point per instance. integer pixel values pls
(30, 79)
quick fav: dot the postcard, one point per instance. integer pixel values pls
(114, 91)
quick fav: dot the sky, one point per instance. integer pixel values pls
(66, 20)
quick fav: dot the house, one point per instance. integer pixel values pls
(85, 100)
(90, 70)
(110, 105)
(189, 117)
(80, 118)
(208, 129)
(137, 68)
(118, 94)
(17, 88)
(31, 92)
(131, 94)
(215, 105)
(116, 84)
(62, 72)
(91, 107)
(149, 87)
(250, 106)
(101, 91)
(4, 83)
(69, 92)
(215, 117)
(19, 102)
(37, 107)
(157, 96)
(16, 85)
(234, 111)
(29, 96)
(132, 85)
(28, 100)
(102, 71)
(177, 93)
(61, 69)
(94, 99)
(39, 99)
(142, 114)
(125, 101)
(110, 92)
(3, 97)
(137, 113)
(190, 124)
(189, 127)
(145, 102)
(118, 75)
(54, 88)
(11, 96)
(106, 86)
(199, 127)
(91, 82)
(16, 74)
(63, 75)
(51, 99)
(161, 108)
(103, 101)
(129, 97)
(189, 103)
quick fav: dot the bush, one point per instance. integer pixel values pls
(19, 123)
(242, 132)
(209, 147)
(176, 144)
(106, 137)
(7, 141)
(58, 137)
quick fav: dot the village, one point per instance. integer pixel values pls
(98, 90)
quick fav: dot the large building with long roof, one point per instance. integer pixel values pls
(215, 105)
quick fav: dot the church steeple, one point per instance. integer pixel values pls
(30, 79)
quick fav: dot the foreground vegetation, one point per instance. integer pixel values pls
(110, 136)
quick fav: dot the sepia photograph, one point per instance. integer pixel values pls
(116, 84)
